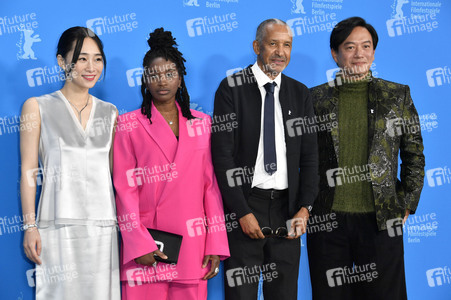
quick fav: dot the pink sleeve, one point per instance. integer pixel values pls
(135, 237)
(216, 242)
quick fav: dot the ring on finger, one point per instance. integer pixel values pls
(155, 264)
(216, 270)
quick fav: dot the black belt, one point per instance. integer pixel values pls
(271, 193)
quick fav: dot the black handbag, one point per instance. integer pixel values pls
(168, 243)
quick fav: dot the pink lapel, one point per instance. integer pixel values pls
(187, 143)
(183, 144)
(161, 133)
(175, 152)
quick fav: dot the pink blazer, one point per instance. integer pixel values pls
(166, 185)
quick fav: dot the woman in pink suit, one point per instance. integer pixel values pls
(164, 180)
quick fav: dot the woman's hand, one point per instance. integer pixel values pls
(32, 245)
(148, 259)
(214, 269)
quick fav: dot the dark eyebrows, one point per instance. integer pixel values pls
(96, 54)
(353, 43)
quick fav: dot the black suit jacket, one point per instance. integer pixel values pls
(234, 152)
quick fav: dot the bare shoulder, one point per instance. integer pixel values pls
(30, 104)
(31, 108)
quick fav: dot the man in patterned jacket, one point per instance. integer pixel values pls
(362, 256)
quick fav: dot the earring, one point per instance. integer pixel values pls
(68, 74)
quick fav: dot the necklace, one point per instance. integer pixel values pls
(79, 111)
(171, 121)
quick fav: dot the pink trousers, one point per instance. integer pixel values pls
(165, 291)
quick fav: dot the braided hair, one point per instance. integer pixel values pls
(162, 44)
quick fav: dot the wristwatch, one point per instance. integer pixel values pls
(309, 208)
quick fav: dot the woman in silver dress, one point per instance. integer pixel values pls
(73, 239)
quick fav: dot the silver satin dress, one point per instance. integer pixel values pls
(76, 213)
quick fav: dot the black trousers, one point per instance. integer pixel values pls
(276, 258)
(356, 261)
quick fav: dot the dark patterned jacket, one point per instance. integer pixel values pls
(393, 127)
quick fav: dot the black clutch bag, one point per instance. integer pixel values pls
(168, 243)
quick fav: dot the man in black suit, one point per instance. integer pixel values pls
(267, 168)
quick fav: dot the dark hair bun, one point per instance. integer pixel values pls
(161, 39)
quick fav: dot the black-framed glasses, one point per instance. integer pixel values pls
(280, 232)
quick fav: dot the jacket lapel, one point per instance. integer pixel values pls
(287, 106)
(372, 112)
(161, 133)
(332, 95)
(186, 142)
(252, 109)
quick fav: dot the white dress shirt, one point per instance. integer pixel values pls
(278, 180)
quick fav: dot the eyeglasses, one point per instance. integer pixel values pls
(269, 233)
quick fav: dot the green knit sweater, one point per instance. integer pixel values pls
(354, 194)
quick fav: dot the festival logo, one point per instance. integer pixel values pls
(418, 16)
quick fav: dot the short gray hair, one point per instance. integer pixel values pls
(261, 29)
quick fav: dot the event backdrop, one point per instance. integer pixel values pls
(216, 37)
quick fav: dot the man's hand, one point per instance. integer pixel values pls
(406, 216)
(250, 227)
(298, 224)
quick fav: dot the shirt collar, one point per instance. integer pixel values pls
(262, 78)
